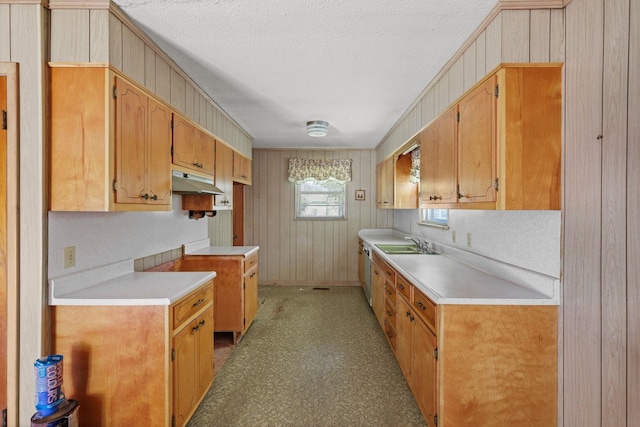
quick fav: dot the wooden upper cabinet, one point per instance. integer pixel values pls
(438, 161)
(385, 184)
(507, 150)
(110, 143)
(193, 148)
(224, 179)
(405, 191)
(241, 168)
(477, 144)
(529, 131)
(143, 147)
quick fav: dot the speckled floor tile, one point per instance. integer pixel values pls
(310, 358)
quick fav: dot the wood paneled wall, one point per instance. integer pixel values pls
(108, 36)
(602, 214)
(302, 251)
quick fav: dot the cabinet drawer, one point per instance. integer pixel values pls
(250, 262)
(403, 287)
(425, 308)
(390, 311)
(191, 304)
(390, 293)
(388, 272)
(390, 333)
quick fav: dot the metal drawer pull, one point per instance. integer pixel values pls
(197, 303)
(422, 307)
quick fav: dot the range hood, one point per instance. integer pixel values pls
(184, 183)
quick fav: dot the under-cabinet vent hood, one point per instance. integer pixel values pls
(184, 183)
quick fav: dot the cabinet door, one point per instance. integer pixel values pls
(224, 170)
(185, 372)
(241, 168)
(404, 324)
(386, 184)
(159, 148)
(184, 143)
(423, 370)
(477, 142)
(205, 351)
(377, 293)
(438, 160)
(130, 144)
(205, 152)
(250, 296)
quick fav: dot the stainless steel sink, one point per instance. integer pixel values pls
(397, 249)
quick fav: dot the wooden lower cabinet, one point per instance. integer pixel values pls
(475, 365)
(236, 288)
(377, 292)
(137, 365)
(416, 347)
(192, 365)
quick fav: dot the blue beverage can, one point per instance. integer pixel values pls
(49, 393)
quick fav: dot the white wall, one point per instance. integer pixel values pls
(102, 238)
(525, 239)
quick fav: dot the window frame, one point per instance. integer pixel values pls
(426, 218)
(300, 192)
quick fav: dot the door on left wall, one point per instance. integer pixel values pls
(3, 245)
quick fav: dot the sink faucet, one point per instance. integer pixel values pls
(423, 247)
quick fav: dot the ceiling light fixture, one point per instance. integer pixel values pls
(317, 128)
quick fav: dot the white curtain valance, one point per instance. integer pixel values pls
(320, 170)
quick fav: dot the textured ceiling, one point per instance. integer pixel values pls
(274, 65)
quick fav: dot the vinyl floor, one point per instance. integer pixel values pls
(312, 357)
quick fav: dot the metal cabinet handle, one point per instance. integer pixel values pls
(145, 196)
(422, 307)
(197, 303)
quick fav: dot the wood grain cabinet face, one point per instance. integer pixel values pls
(384, 184)
(110, 143)
(506, 149)
(477, 144)
(438, 182)
(241, 169)
(159, 359)
(143, 147)
(223, 176)
(454, 354)
(193, 148)
(192, 365)
(236, 288)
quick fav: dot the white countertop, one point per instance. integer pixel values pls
(118, 284)
(201, 247)
(447, 280)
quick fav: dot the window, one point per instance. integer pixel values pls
(320, 199)
(434, 217)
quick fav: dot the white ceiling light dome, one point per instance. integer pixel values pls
(317, 128)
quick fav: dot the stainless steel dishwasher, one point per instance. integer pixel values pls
(367, 271)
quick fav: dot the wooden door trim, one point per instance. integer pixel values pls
(10, 70)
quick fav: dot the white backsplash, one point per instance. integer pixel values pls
(104, 238)
(526, 239)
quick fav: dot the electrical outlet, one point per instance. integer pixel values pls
(453, 236)
(69, 256)
(469, 239)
